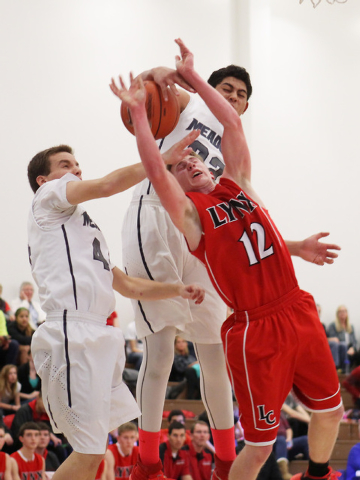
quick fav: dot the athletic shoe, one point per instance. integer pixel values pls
(222, 469)
(331, 475)
(147, 472)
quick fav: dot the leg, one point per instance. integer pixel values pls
(334, 347)
(193, 384)
(151, 389)
(249, 462)
(300, 445)
(216, 395)
(80, 466)
(323, 431)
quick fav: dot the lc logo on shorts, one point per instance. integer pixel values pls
(269, 417)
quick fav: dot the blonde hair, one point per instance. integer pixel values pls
(127, 427)
(338, 325)
(5, 386)
(177, 352)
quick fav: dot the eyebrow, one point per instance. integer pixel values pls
(67, 162)
(232, 86)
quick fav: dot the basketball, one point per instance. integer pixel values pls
(163, 116)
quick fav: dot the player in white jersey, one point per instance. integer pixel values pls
(147, 229)
(78, 357)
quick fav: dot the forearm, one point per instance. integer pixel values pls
(294, 247)
(141, 289)
(111, 184)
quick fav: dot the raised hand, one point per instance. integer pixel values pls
(179, 151)
(168, 77)
(193, 292)
(185, 62)
(314, 251)
(132, 97)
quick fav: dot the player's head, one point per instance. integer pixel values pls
(2, 435)
(176, 435)
(176, 416)
(44, 437)
(29, 435)
(51, 164)
(193, 175)
(200, 434)
(127, 436)
(234, 84)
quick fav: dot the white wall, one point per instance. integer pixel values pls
(56, 61)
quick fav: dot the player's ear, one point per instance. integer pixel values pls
(40, 180)
(212, 176)
(247, 104)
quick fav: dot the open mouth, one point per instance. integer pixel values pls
(196, 174)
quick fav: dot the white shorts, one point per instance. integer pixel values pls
(80, 362)
(154, 248)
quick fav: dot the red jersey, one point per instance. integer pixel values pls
(245, 255)
(2, 465)
(29, 469)
(123, 463)
(200, 463)
(100, 470)
(174, 467)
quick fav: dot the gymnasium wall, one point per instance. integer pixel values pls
(57, 59)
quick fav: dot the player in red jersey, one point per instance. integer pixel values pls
(5, 464)
(28, 465)
(121, 457)
(200, 458)
(175, 461)
(274, 336)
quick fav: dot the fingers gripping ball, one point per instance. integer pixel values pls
(163, 116)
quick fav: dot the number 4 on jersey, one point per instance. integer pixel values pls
(260, 235)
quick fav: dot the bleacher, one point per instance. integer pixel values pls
(347, 438)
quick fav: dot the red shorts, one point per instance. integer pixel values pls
(269, 351)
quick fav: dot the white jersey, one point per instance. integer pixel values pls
(196, 116)
(154, 248)
(69, 257)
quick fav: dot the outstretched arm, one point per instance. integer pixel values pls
(313, 251)
(142, 289)
(115, 182)
(181, 210)
(233, 145)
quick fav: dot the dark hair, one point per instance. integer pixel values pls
(198, 422)
(175, 413)
(28, 426)
(231, 71)
(44, 426)
(176, 426)
(40, 164)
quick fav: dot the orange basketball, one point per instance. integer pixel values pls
(163, 116)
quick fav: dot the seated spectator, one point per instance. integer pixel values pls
(121, 457)
(286, 448)
(175, 461)
(101, 473)
(5, 464)
(5, 307)
(200, 458)
(352, 385)
(134, 347)
(29, 380)
(174, 416)
(28, 463)
(9, 348)
(9, 390)
(51, 461)
(25, 300)
(342, 340)
(186, 366)
(22, 331)
(296, 415)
